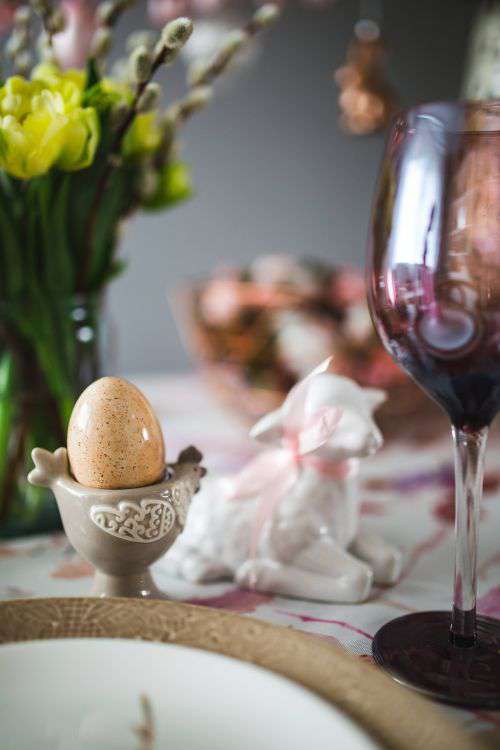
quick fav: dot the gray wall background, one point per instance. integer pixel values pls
(272, 170)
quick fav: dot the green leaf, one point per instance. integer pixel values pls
(101, 100)
(174, 186)
(116, 204)
(10, 251)
(93, 75)
(111, 208)
(42, 331)
(3, 144)
(116, 268)
(7, 381)
(58, 247)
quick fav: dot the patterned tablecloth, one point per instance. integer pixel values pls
(407, 495)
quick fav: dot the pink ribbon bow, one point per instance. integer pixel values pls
(271, 474)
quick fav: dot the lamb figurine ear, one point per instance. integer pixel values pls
(269, 429)
(374, 397)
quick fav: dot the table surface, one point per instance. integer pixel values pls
(407, 495)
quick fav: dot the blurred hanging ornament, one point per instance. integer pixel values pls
(367, 100)
(71, 46)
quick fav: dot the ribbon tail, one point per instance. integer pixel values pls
(268, 503)
(256, 476)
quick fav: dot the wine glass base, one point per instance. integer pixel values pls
(417, 652)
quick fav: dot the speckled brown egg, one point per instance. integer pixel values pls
(114, 439)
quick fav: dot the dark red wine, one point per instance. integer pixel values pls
(446, 335)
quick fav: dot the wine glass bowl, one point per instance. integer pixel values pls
(434, 281)
(434, 295)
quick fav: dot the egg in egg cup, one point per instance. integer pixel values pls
(121, 531)
(121, 505)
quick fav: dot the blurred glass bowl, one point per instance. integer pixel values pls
(255, 332)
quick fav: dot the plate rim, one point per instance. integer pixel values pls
(365, 694)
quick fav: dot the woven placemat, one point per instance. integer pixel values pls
(395, 717)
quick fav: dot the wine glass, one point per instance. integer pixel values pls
(434, 294)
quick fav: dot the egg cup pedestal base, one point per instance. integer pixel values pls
(121, 532)
(138, 586)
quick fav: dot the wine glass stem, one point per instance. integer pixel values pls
(469, 466)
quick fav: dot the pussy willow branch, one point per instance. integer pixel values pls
(184, 108)
(46, 27)
(113, 161)
(118, 10)
(222, 59)
(45, 11)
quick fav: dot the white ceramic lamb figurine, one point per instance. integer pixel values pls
(289, 522)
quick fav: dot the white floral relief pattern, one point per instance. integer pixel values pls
(147, 521)
(180, 499)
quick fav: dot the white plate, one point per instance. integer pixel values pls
(85, 694)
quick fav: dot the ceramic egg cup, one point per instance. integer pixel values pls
(121, 532)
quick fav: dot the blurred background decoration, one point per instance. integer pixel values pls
(256, 331)
(367, 100)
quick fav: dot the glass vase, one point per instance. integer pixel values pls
(51, 348)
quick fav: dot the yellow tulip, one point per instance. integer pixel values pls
(82, 137)
(143, 136)
(15, 97)
(119, 89)
(42, 124)
(51, 75)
